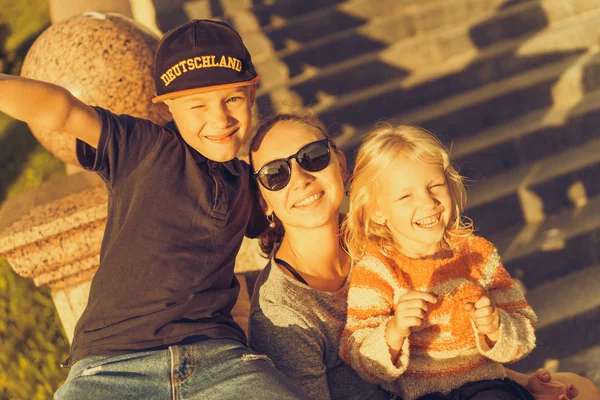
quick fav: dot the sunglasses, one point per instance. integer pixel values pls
(313, 157)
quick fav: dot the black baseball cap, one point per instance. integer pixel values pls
(200, 56)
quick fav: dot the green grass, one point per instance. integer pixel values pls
(32, 341)
(24, 163)
(23, 19)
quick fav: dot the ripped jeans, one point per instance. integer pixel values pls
(211, 369)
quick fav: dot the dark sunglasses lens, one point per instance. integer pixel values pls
(275, 175)
(314, 157)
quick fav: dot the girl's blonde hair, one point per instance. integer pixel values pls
(380, 147)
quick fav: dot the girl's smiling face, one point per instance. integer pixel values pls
(415, 204)
(310, 199)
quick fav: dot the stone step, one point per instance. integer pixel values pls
(493, 104)
(464, 115)
(584, 363)
(524, 17)
(387, 21)
(344, 16)
(579, 288)
(565, 242)
(395, 98)
(386, 84)
(529, 138)
(558, 261)
(568, 312)
(530, 192)
(290, 16)
(268, 28)
(388, 41)
(275, 13)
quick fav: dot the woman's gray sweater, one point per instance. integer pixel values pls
(298, 328)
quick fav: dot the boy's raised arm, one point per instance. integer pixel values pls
(49, 106)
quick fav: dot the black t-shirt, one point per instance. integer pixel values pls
(175, 223)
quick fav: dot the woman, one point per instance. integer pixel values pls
(299, 304)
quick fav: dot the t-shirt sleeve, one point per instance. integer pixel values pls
(125, 142)
(293, 347)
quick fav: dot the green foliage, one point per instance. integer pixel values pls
(23, 20)
(40, 166)
(32, 341)
(24, 163)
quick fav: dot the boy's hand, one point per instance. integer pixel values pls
(486, 317)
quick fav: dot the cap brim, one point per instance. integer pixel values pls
(187, 92)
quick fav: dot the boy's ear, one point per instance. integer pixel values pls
(164, 111)
(378, 218)
(251, 93)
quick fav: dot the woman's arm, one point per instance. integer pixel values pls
(293, 347)
(557, 386)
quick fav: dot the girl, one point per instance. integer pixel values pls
(431, 310)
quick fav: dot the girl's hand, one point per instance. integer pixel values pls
(409, 314)
(486, 318)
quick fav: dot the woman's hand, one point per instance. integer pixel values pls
(543, 386)
(486, 318)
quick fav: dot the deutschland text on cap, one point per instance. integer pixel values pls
(201, 55)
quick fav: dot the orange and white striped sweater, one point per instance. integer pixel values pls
(446, 352)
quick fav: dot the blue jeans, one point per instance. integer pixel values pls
(211, 369)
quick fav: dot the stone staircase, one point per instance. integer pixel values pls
(513, 87)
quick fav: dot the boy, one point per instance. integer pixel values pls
(158, 321)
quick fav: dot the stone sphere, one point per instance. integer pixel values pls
(103, 59)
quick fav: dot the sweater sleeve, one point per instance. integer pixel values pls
(371, 305)
(293, 347)
(517, 318)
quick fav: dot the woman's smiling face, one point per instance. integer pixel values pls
(310, 199)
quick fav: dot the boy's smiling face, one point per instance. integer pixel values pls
(215, 123)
